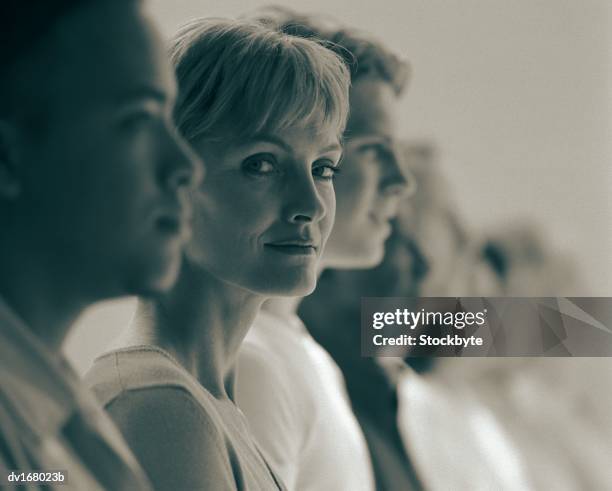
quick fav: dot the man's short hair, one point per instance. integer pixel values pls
(243, 78)
(363, 54)
(24, 24)
(28, 31)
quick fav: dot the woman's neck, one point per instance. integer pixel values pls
(201, 323)
(282, 306)
(287, 306)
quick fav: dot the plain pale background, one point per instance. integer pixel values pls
(517, 94)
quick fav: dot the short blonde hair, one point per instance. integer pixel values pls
(244, 78)
(364, 55)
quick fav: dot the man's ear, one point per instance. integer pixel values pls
(10, 156)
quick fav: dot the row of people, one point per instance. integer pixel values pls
(204, 184)
(465, 423)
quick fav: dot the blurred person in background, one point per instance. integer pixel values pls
(505, 423)
(469, 423)
(290, 389)
(555, 409)
(449, 248)
(417, 431)
(93, 182)
(268, 111)
(526, 264)
(333, 315)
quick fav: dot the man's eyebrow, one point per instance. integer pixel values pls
(368, 139)
(332, 147)
(141, 93)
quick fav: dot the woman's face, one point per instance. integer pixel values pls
(372, 183)
(265, 211)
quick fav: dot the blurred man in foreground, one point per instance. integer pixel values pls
(93, 183)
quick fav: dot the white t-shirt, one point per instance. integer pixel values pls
(295, 400)
(554, 413)
(456, 443)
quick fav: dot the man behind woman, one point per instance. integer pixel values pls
(268, 111)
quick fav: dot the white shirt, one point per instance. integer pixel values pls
(49, 421)
(456, 443)
(295, 400)
(554, 411)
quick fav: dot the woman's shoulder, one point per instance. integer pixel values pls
(146, 374)
(153, 401)
(180, 442)
(169, 409)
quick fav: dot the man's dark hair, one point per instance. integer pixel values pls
(25, 23)
(25, 30)
(363, 55)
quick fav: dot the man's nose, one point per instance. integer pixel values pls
(186, 169)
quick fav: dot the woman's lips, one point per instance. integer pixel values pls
(293, 249)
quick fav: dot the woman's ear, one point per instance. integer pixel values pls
(10, 183)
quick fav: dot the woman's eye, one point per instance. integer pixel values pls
(326, 171)
(259, 166)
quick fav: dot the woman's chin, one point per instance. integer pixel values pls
(289, 285)
(365, 258)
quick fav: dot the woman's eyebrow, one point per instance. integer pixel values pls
(274, 140)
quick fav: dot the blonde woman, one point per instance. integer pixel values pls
(289, 387)
(266, 111)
